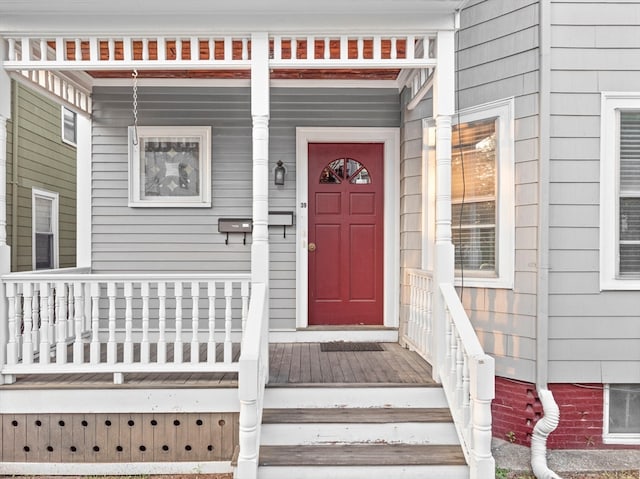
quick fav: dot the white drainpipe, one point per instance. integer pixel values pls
(551, 418)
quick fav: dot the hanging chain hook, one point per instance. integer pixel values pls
(135, 107)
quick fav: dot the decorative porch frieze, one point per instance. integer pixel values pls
(218, 52)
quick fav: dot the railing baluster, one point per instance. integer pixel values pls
(27, 344)
(211, 342)
(13, 321)
(178, 49)
(78, 45)
(394, 48)
(35, 315)
(344, 47)
(145, 49)
(177, 344)
(228, 49)
(294, 48)
(228, 291)
(162, 323)
(277, 47)
(78, 307)
(162, 49)
(94, 352)
(128, 323)
(112, 345)
(245, 48)
(44, 351)
(195, 307)
(244, 293)
(311, 48)
(144, 345)
(327, 48)
(377, 47)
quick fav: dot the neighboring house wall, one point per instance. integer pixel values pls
(498, 59)
(594, 335)
(137, 239)
(44, 162)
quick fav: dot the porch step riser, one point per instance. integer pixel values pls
(359, 472)
(405, 433)
(355, 397)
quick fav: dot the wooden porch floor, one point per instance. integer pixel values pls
(292, 364)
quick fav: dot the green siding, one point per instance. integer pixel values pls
(44, 162)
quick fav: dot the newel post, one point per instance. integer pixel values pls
(482, 392)
(248, 433)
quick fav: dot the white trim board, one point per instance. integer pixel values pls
(121, 400)
(390, 137)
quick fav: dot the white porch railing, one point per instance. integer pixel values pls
(75, 322)
(466, 372)
(254, 373)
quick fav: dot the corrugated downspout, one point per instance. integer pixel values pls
(541, 431)
(551, 418)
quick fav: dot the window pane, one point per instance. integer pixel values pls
(629, 152)
(474, 195)
(44, 209)
(69, 125)
(171, 167)
(630, 219)
(44, 251)
(475, 249)
(629, 258)
(474, 214)
(624, 408)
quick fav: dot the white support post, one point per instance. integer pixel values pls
(444, 108)
(5, 250)
(482, 393)
(83, 192)
(260, 115)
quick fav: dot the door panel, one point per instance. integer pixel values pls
(346, 204)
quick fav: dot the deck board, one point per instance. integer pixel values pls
(296, 364)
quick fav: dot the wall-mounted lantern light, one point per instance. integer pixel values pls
(278, 173)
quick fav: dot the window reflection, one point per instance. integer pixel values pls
(345, 169)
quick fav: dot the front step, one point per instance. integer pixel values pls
(359, 432)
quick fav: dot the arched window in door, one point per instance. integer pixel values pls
(345, 169)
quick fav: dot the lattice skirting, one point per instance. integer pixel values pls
(118, 437)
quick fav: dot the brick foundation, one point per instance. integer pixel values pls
(516, 408)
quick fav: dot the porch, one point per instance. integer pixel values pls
(177, 350)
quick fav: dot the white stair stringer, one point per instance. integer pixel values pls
(359, 432)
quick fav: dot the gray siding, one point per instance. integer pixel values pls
(186, 239)
(594, 336)
(46, 163)
(497, 59)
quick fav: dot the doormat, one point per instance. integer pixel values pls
(339, 346)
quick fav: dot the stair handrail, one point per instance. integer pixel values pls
(468, 379)
(252, 379)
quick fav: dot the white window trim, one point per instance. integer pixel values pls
(612, 437)
(611, 104)
(203, 200)
(54, 198)
(503, 110)
(64, 140)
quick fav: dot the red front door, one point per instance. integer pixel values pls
(346, 233)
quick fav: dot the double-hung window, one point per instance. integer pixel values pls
(620, 191)
(482, 195)
(45, 229)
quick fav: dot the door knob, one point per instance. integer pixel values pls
(312, 246)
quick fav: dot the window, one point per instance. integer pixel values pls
(45, 229)
(482, 195)
(622, 421)
(69, 126)
(620, 191)
(170, 166)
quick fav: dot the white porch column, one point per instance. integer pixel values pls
(83, 192)
(5, 250)
(248, 377)
(260, 116)
(444, 108)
